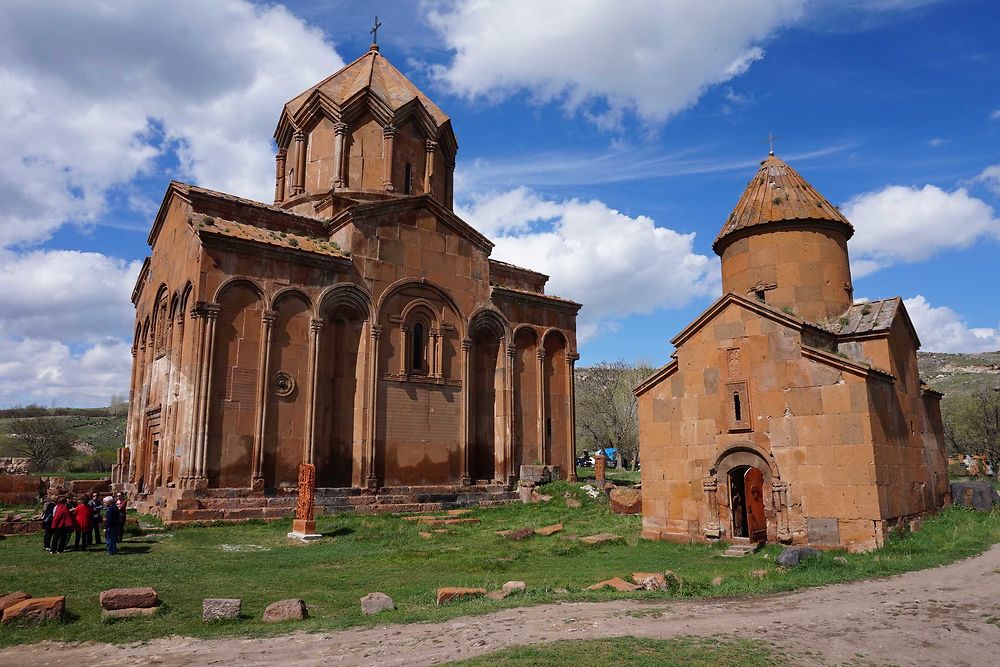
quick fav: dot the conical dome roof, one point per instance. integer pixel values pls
(777, 193)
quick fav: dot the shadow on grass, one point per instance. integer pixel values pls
(338, 533)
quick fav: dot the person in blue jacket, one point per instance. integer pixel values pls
(112, 524)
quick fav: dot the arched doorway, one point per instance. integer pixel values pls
(746, 496)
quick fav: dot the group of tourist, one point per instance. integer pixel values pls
(84, 517)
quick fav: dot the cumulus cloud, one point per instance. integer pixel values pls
(990, 177)
(941, 329)
(615, 264)
(603, 57)
(900, 224)
(95, 92)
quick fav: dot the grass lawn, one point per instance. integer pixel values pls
(635, 652)
(360, 554)
(618, 475)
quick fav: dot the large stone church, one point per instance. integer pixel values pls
(790, 412)
(357, 323)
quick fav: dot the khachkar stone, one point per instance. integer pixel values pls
(304, 525)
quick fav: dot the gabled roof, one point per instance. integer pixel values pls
(776, 194)
(372, 74)
(207, 226)
(461, 227)
(868, 319)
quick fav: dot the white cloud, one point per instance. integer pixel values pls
(94, 92)
(990, 177)
(615, 264)
(995, 114)
(937, 142)
(48, 372)
(900, 224)
(941, 329)
(603, 57)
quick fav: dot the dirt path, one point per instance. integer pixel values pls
(934, 617)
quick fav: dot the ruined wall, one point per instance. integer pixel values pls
(805, 423)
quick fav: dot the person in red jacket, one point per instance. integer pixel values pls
(82, 514)
(62, 525)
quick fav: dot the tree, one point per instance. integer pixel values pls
(607, 410)
(118, 405)
(972, 426)
(42, 441)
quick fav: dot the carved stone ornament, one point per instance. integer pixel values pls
(282, 385)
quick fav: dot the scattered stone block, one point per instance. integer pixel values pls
(518, 534)
(600, 538)
(758, 574)
(560, 591)
(717, 581)
(441, 530)
(549, 530)
(496, 595)
(916, 523)
(218, 609)
(574, 503)
(129, 598)
(374, 603)
(625, 500)
(975, 494)
(36, 610)
(11, 599)
(840, 560)
(459, 512)
(129, 612)
(514, 587)
(425, 535)
(536, 474)
(286, 610)
(449, 593)
(525, 491)
(792, 556)
(616, 583)
(537, 497)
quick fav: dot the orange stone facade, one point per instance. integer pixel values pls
(356, 324)
(789, 413)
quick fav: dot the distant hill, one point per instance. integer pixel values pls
(960, 374)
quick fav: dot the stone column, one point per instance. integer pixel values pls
(371, 479)
(511, 352)
(300, 163)
(194, 405)
(388, 142)
(429, 148)
(315, 329)
(435, 367)
(449, 186)
(571, 416)
(264, 364)
(710, 486)
(279, 175)
(405, 349)
(212, 315)
(134, 410)
(340, 134)
(463, 445)
(541, 408)
(779, 502)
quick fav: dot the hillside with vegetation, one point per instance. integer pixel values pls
(93, 435)
(960, 374)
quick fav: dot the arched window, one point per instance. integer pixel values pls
(737, 409)
(418, 342)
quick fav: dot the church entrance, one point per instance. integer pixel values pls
(746, 494)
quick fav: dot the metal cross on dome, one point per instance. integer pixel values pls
(374, 30)
(771, 138)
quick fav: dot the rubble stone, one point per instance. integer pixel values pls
(129, 598)
(449, 593)
(35, 610)
(374, 603)
(216, 609)
(286, 610)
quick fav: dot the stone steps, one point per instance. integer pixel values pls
(739, 548)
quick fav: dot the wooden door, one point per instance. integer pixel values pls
(753, 485)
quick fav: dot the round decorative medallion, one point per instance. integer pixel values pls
(283, 384)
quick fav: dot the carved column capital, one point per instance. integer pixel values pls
(572, 358)
(541, 355)
(376, 331)
(340, 128)
(316, 325)
(466, 344)
(511, 350)
(390, 131)
(268, 317)
(212, 311)
(430, 146)
(299, 135)
(710, 484)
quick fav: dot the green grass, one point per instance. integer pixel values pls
(619, 475)
(360, 554)
(635, 652)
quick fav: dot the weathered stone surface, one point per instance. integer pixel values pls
(537, 497)
(306, 502)
(374, 603)
(517, 534)
(286, 610)
(130, 612)
(449, 593)
(36, 609)
(549, 530)
(11, 599)
(497, 595)
(717, 581)
(424, 534)
(536, 474)
(574, 503)
(616, 583)
(840, 560)
(975, 494)
(459, 512)
(625, 500)
(758, 574)
(513, 587)
(128, 598)
(216, 609)
(600, 538)
(792, 556)
(525, 490)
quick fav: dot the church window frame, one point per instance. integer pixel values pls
(408, 179)
(737, 408)
(419, 329)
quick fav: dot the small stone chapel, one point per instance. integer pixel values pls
(356, 323)
(790, 413)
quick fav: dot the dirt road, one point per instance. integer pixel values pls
(933, 617)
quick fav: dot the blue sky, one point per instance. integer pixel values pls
(601, 142)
